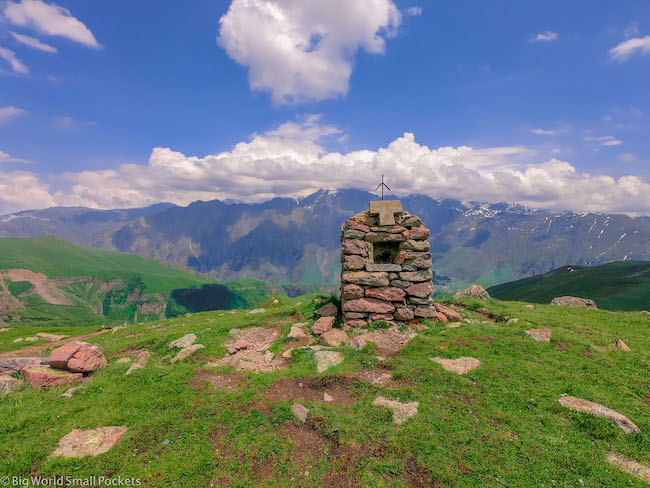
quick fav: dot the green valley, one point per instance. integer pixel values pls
(622, 285)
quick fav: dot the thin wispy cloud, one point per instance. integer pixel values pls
(7, 158)
(33, 43)
(626, 49)
(546, 36)
(414, 11)
(544, 132)
(49, 19)
(604, 140)
(16, 65)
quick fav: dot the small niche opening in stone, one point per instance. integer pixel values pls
(385, 252)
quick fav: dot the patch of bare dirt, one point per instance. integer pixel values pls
(313, 389)
(35, 350)
(389, 342)
(222, 381)
(308, 442)
(42, 285)
(563, 346)
(380, 377)
(459, 342)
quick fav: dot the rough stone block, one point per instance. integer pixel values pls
(365, 278)
(370, 305)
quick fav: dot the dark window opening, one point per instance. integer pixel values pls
(385, 252)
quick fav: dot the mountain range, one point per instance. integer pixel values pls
(297, 240)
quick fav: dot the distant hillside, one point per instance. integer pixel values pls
(623, 285)
(297, 240)
(48, 279)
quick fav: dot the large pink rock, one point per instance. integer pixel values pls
(370, 305)
(322, 325)
(334, 337)
(61, 355)
(354, 246)
(78, 357)
(421, 290)
(42, 377)
(80, 443)
(389, 294)
(350, 292)
(448, 312)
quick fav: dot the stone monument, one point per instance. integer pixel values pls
(386, 265)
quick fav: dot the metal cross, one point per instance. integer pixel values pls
(382, 185)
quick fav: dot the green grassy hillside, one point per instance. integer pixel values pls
(623, 285)
(86, 285)
(193, 424)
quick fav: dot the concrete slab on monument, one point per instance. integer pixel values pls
(386, 210)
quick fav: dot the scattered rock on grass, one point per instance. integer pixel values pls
(585, 406)
(300, 412)
(32, 339)
(641, 471)
(297, 332)
(186, 352)
(133, 367)
(255, 357)
(531, 307)
(401, 411)
(574, 302)
(42, 376)
(448, 312)
(123, 361)
(357, 343)
(256, 311)
(388, 341)
(51, 337)
(474, 291)
(513, 320)
(329, 310)
(322, 325)
(183, 342)
(327, 359)
(80, 443)
(461, 365)
(334, 337)
(13, 365)
(542, 335)
(7, 383)
(70, 392)
(619, 344)
(327, 397)
(17, 340)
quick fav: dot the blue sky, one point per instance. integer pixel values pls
(551, 97)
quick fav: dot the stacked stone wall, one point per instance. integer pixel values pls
(386, 270)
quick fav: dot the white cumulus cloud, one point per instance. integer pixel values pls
(626, 49)
(33, 42)
(21, 190)
(291, 160)
(49, 19)
(16, 65)
(302, 50)
(9, 113)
